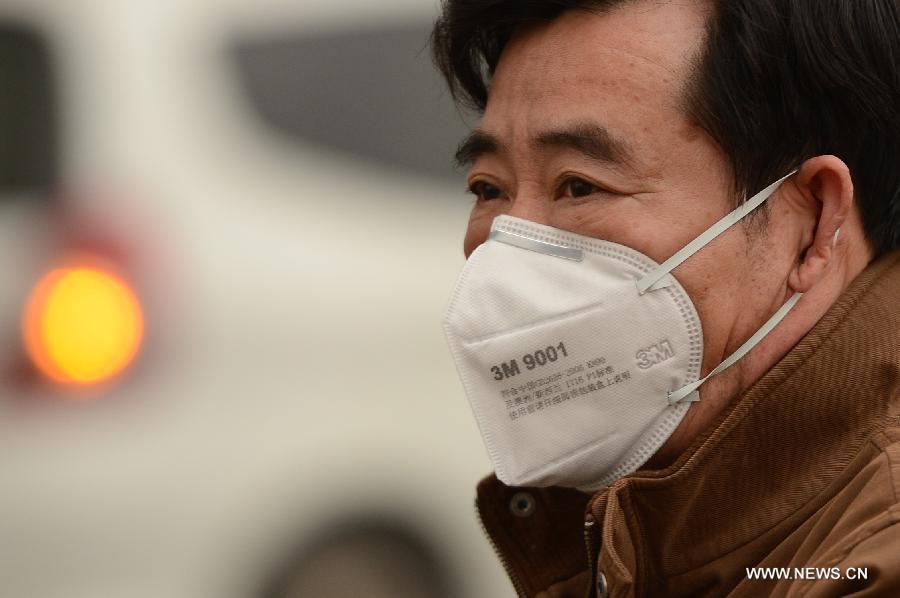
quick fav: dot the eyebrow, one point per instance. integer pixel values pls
(590, 139)
(475, 145)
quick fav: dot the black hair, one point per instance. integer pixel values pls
(777, 82)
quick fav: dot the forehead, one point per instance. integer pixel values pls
(625, 68)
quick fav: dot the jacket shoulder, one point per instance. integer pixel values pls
(862, 552)
(870, 502)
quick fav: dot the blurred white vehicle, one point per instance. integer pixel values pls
(267, 178)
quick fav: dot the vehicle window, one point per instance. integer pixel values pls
(370, 93)
(28, 116)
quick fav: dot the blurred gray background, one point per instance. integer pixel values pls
(272, 179)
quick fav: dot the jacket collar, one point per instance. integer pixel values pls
(779, 448)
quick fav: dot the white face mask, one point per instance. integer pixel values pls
(579, 356)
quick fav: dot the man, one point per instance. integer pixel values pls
(615, 135)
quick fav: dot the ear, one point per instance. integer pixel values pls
(825, 184)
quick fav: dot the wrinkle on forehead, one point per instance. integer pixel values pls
(625, 67)
(666, 43)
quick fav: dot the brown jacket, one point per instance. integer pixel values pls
(803, 470)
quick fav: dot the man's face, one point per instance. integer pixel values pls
(585, 130)
(590, 134)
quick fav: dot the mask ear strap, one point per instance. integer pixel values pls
(676, 396)
(649, 281)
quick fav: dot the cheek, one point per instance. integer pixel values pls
(479, 226)
(720, 281)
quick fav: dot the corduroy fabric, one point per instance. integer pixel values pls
(801, 470)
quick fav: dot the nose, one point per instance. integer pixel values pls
(528, 204)
(531, 204)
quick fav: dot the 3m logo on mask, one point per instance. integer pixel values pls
(654, 354)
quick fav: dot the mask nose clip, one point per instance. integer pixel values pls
(561, 251)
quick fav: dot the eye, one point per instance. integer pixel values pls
(484, 191)
(577, 187)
